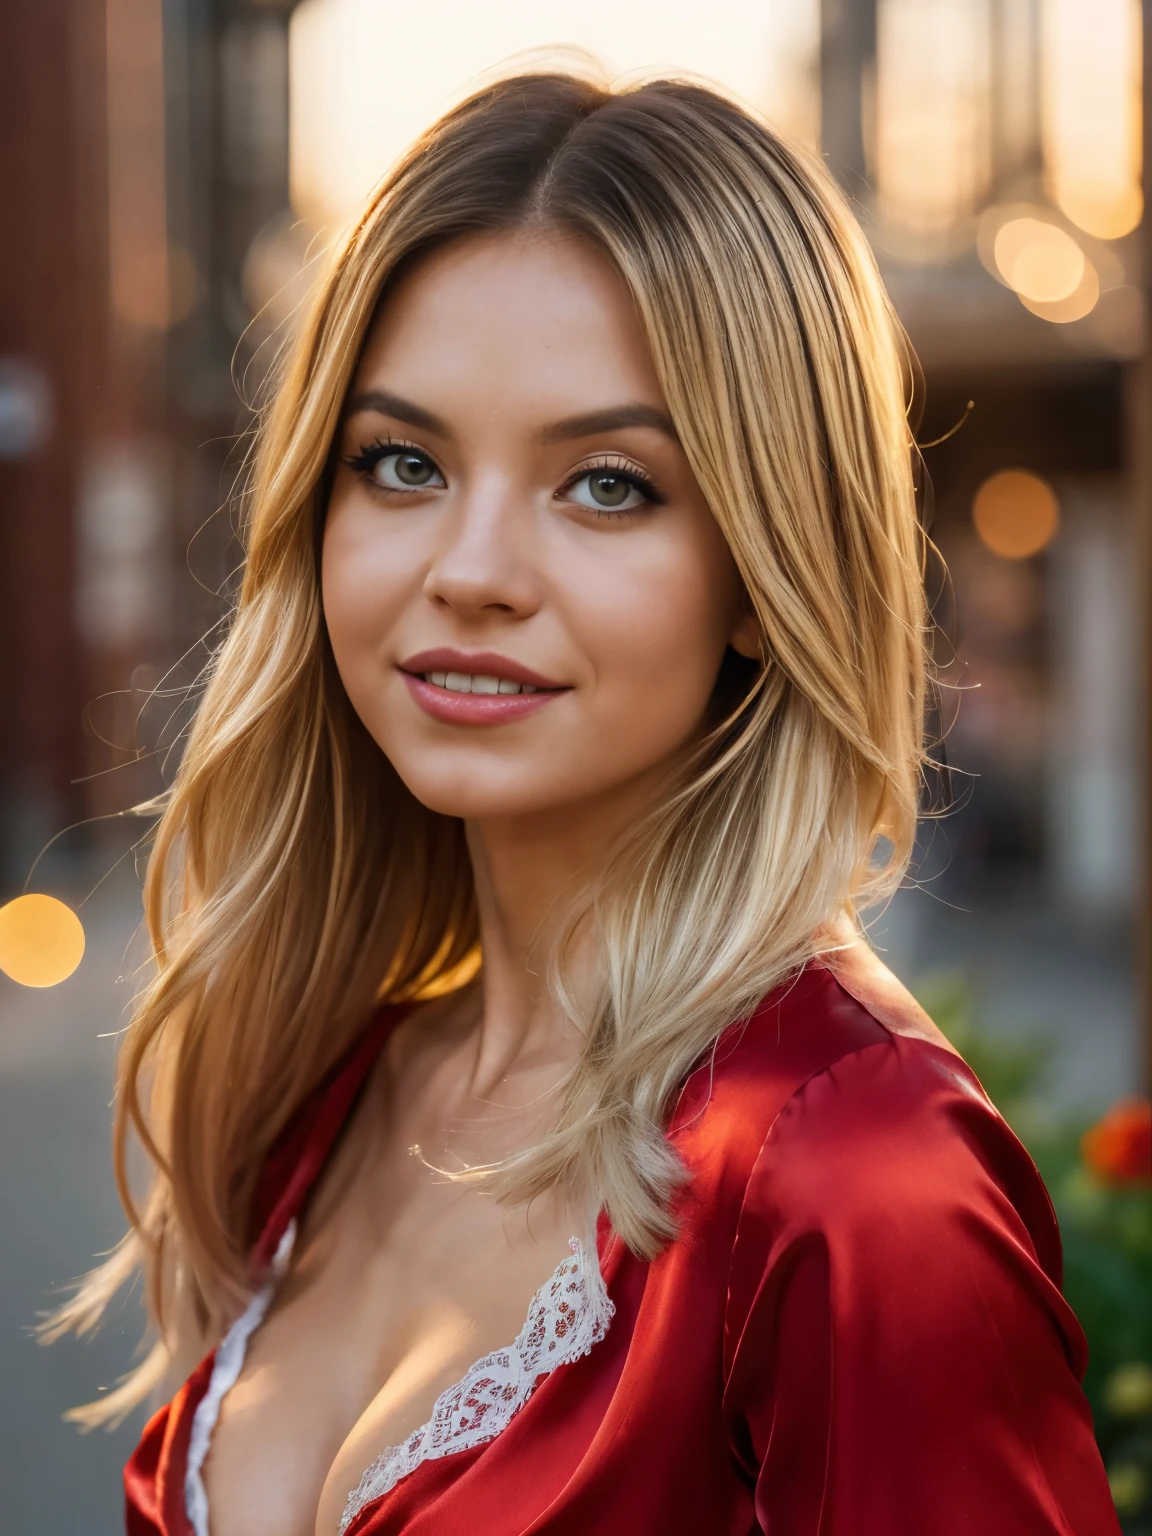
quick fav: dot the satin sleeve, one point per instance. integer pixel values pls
(899, 1359)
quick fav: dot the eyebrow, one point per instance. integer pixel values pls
(612, 419)
(399, 409)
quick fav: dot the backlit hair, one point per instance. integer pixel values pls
(294, 877)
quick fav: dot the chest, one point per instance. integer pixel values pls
(387, 1307)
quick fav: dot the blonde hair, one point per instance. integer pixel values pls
(293, 875)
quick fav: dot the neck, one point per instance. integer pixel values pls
(527, 870)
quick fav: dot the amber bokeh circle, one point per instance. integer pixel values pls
(41, 941)
(1016, 513)
(1039, 260)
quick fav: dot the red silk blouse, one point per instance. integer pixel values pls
(858, 1331)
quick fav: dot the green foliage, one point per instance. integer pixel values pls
(1107, 1235)
(1010, 1070)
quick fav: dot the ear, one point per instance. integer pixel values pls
(746, 637)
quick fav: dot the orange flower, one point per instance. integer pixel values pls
(1118, 1148)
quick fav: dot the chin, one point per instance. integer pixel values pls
(473, 795)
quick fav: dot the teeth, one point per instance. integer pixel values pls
(465, 682)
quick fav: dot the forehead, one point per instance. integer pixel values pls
(539, 321)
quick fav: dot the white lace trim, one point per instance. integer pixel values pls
(568, 1315)
(226, 1368)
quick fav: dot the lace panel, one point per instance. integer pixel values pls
(226, 1368)
(568, 1315)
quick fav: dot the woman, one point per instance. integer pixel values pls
(582, 629)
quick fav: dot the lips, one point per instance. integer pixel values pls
(476, 687)
(446, 659)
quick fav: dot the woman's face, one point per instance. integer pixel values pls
(527, 597)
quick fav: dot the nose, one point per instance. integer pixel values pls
(484, 562)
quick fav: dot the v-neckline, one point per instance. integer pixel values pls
(566, 1316)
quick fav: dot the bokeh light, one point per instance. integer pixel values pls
(1080, 302)
(1016, 513)
(41, 940)
(1092, 112)
(1039, 260)
(932, 144)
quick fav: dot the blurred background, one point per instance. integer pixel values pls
(173, 168)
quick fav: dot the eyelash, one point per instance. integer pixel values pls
(370, 455)
(615, 464)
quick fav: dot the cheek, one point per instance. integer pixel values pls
(658, 628)
(362, 586)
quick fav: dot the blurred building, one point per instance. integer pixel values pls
(145, 148)
(172, 169)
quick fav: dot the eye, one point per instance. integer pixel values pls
(394, 468)
(405, 470)
(609, 490)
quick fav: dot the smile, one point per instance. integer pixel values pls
(477, 687)
(467, 682)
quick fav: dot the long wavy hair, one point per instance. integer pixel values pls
(294, 879)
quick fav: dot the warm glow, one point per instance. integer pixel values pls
(1080, 302)
(41, 941)
(1039, 260)
(1016, 513)
(1092, 112)
(1029, 253)
(933, 110)
(452, 980)
(367, 78)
